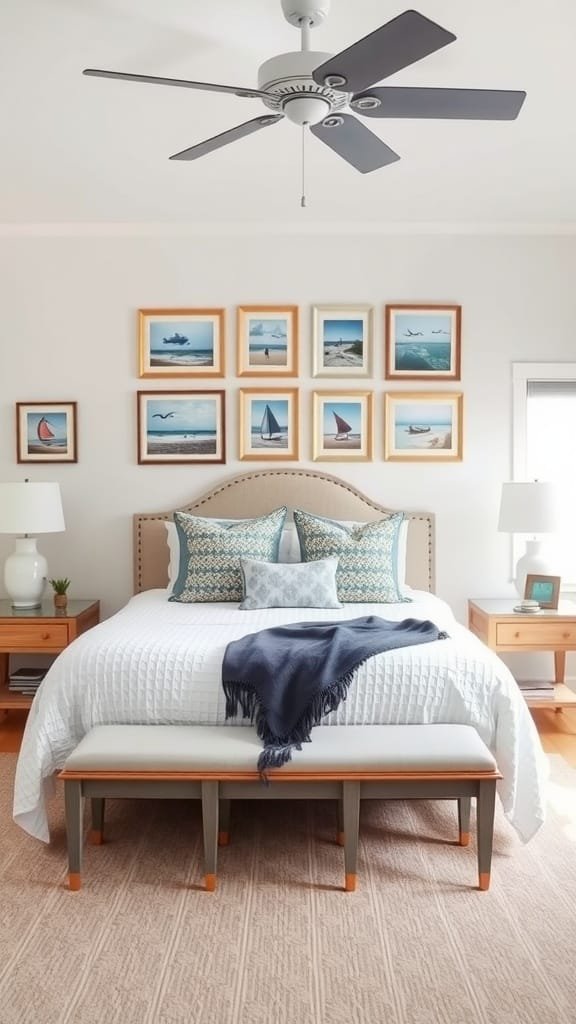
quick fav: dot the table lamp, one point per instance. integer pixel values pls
(532, 508)
(28, 508)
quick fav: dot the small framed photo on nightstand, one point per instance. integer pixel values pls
(544, 589)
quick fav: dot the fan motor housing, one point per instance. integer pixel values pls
(288, 78)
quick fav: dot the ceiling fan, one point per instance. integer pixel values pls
(318, 90)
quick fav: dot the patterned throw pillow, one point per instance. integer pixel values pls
(210, 554)
(367, 555)
(290, 585)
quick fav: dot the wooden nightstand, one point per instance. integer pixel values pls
(502, 629)
(42, 630)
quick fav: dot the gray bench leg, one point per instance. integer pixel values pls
(74, 803)
(340, 822)
(464, 820)
(210, 830)
(351, 816)
(96, 834)
(485, 825)
(224, 826)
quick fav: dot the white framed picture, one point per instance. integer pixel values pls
(342, 341)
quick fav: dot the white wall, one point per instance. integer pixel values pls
(68, 332)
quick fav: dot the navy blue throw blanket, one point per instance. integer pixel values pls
(285, 679)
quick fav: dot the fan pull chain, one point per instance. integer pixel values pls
(303, 196)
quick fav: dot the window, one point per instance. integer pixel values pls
(544, 441)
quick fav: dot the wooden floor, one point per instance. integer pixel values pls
(557, 731)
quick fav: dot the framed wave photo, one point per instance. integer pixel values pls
(423, 426)
(268, 341)
(181, 426)
(46, 432)
(181, 342)
(342, 426)
(423, 342)
(269, 423)
(342, 339)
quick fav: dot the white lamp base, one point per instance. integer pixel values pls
(532, 561)
(25, 572)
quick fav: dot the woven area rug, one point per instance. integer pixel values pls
(279, 942)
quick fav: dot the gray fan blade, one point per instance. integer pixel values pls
(181, 82)
(201, 148)
(467, 104)
(353, 141)
(400, 42)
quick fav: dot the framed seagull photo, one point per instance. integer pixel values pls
(423, 342)
(181, 426)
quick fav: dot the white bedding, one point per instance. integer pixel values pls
(159, 662)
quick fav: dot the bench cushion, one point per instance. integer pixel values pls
(349, 748)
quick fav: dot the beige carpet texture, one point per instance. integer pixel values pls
(280, 942)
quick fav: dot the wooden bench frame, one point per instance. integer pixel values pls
(216, 789)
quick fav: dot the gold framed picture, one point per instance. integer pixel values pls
(267, 341)
(423, 426)
(423, 342)
(181, 342)
(342, 426)
(269, 423)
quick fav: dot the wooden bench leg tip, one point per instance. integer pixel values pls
(341, 839)
(74, 882)
(223, 838)
(95, 837)
(350, 883)
(210, 883)
(484, 881)
(464, 838)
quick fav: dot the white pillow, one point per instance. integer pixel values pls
(294, 585)
(288, 550)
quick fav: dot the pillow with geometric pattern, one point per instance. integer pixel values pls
(289, 585)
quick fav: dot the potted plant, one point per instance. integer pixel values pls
(60, 588)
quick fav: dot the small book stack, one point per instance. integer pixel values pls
(536, 689)
(26, 680)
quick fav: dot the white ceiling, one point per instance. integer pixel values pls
(82, 150)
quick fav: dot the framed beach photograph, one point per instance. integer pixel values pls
(268, 341)
(342, 340)
(269, 423)
(423, 426)
(342, 426)
(423, 342)
(181, 342)
(46, 432)
(181, 426)
(544, 589)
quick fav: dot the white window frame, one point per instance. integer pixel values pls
(521, 374)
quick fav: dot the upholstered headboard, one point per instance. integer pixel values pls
(254, 494)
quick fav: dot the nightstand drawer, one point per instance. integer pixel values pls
(34, 635)
(537, 634)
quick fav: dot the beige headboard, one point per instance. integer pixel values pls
(254, 494)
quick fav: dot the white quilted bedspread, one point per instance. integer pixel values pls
(159, 662)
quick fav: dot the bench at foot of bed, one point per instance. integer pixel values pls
(218, 764)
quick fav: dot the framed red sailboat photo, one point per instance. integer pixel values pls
(46, 432)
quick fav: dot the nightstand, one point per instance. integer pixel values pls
(44, 630)
(502, 629)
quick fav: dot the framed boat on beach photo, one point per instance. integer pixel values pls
(267, 341)
(181, 342)
(423, 426)
(46, 432)
(181, 426)
(423, 342)
(342, 426)
(269, 423)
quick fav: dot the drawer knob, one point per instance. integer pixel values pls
(516, 635)
(45, 636)
(565, 636)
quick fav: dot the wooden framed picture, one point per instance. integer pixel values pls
(269, 423)
(423, 426)
(46, 432)
(423, 342)
(181, 342)
(342, 341)
(342, 426)
(268, 341)
(181, 426)
(544, 589)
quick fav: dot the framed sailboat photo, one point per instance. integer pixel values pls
(269, 423)
(342, 426)
(46, 432)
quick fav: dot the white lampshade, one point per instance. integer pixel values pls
(529, 508)
(28, 508)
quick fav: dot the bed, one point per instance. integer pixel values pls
(159, 661)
